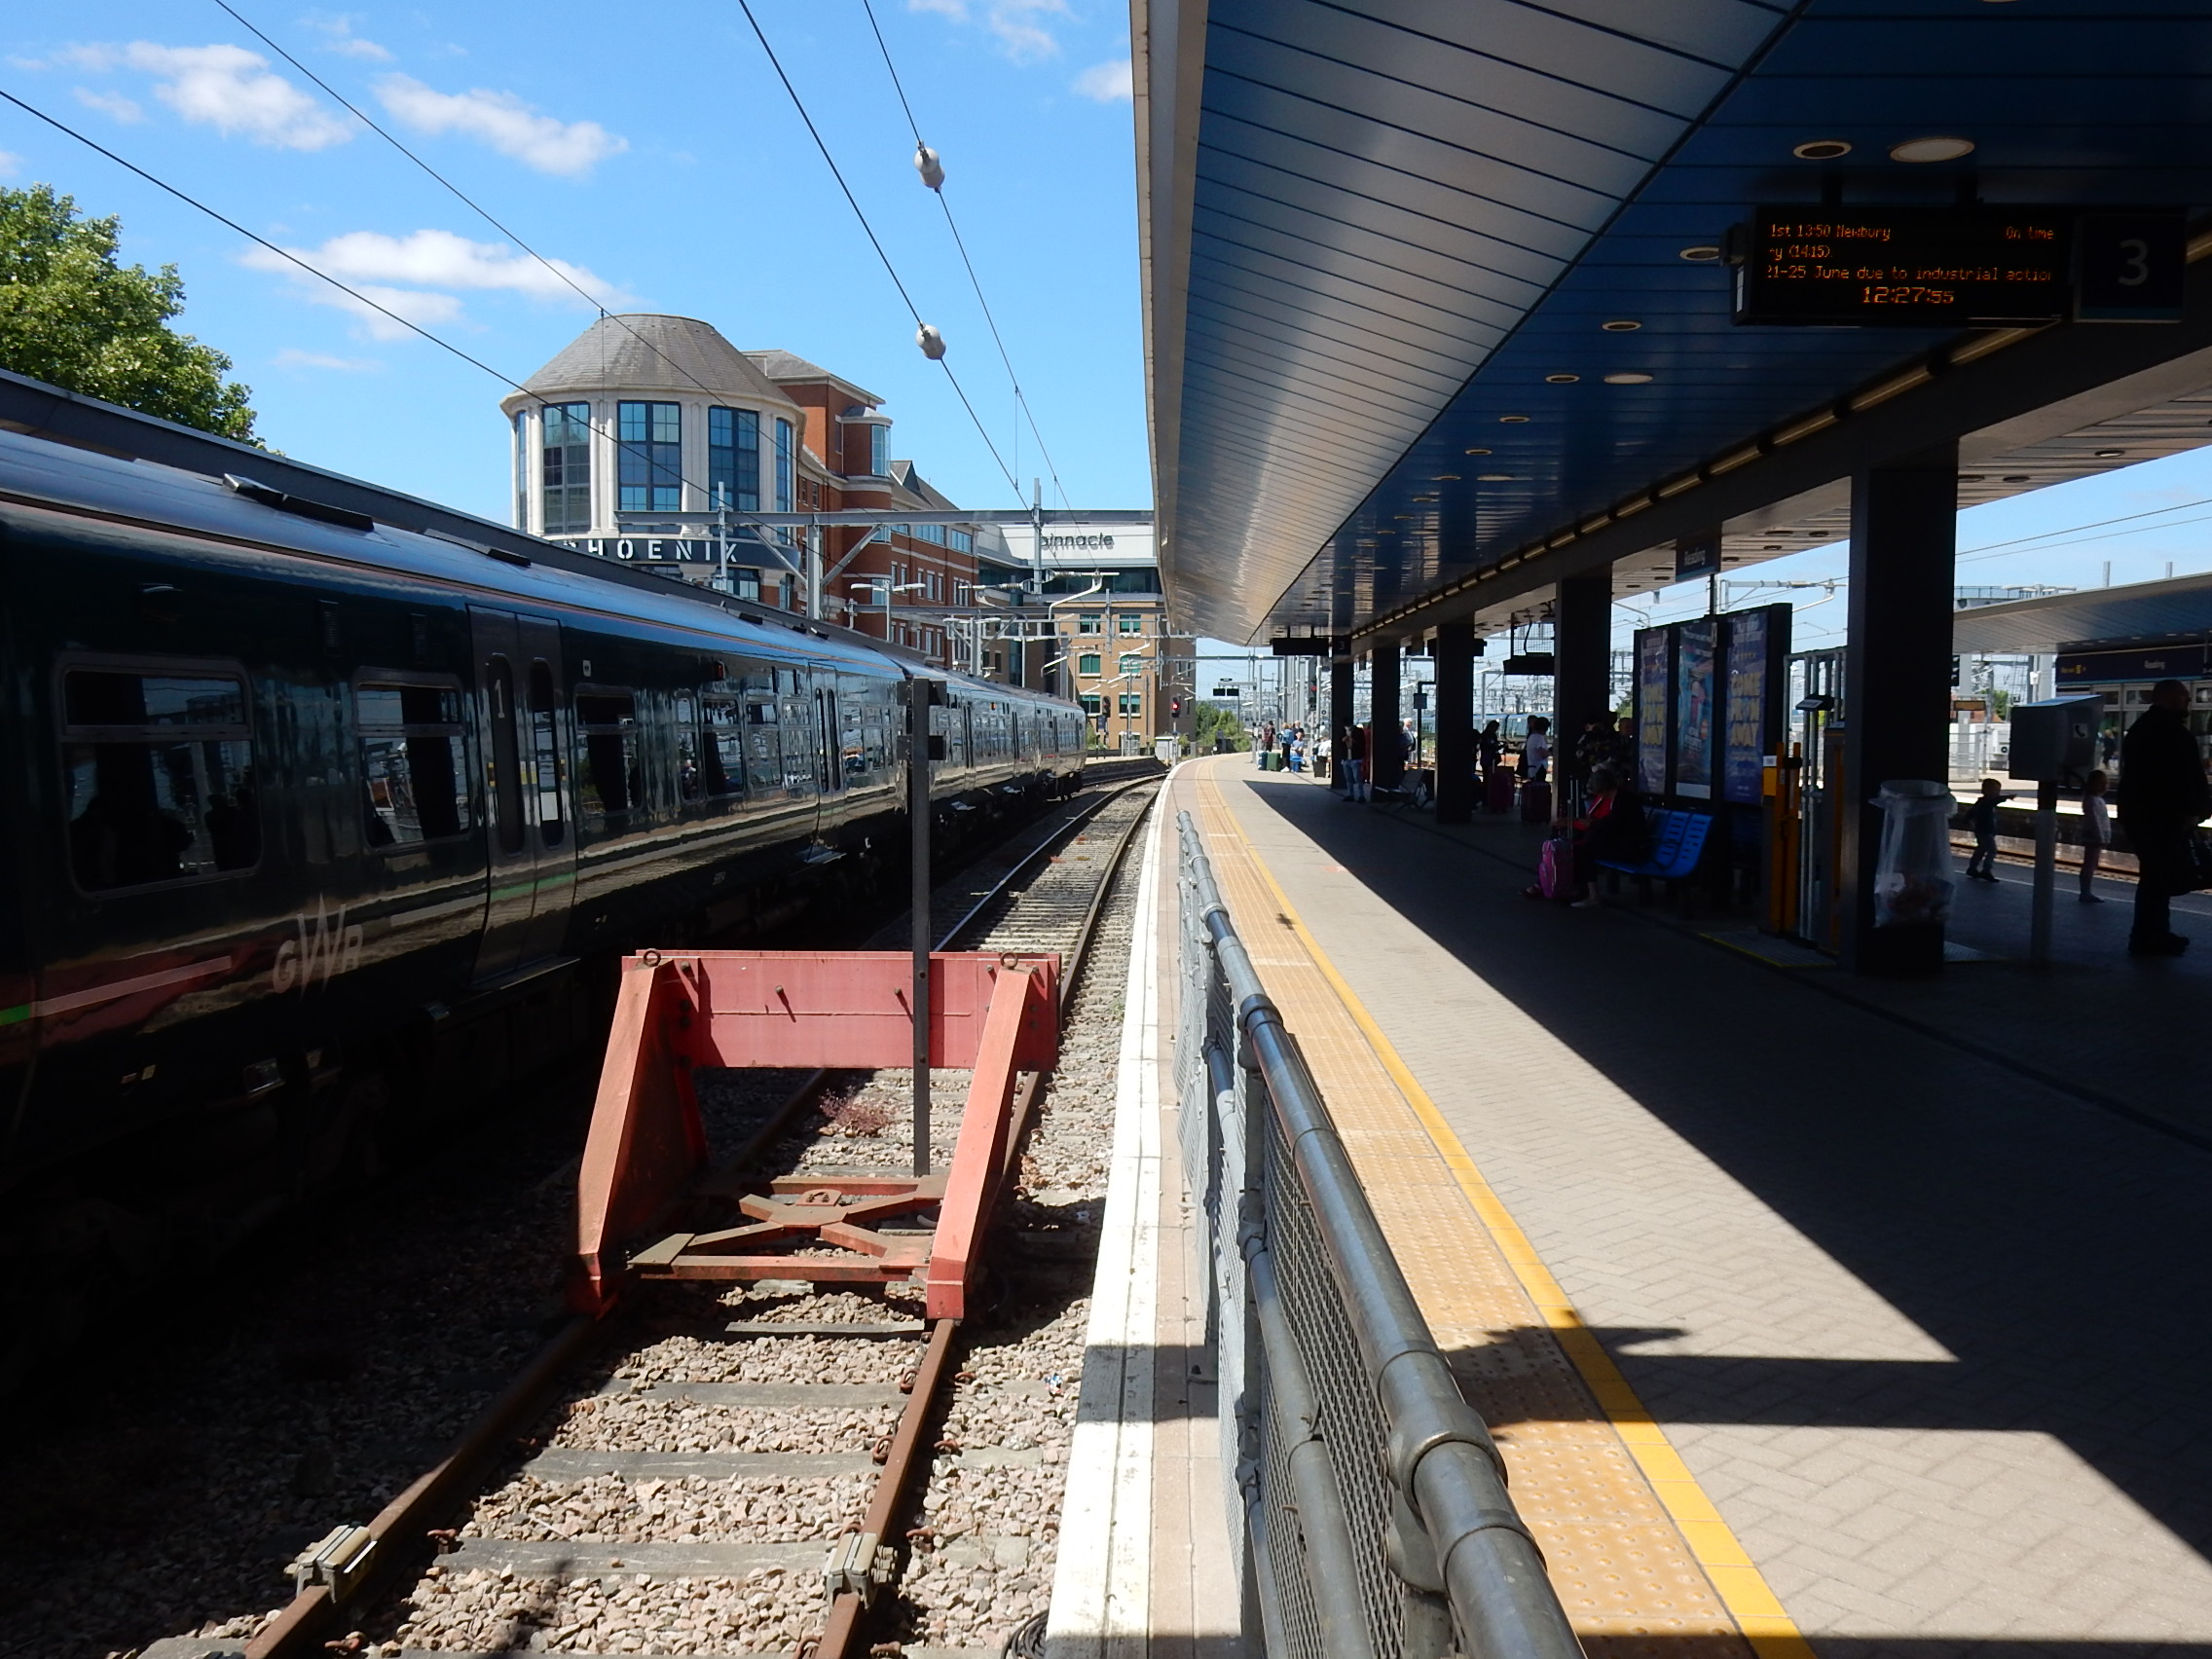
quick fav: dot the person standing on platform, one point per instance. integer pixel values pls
(2096, 834)
(1490, 749)
(1537, 751)
(1981, 819)
(1351, 744)
(2162, 797)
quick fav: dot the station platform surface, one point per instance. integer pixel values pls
(1807, 1311)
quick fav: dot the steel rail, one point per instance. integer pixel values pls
(300, 1629)
(1440, 1456)
(841, 1636)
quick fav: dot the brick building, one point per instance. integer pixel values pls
(1115, 647)
(652, 439)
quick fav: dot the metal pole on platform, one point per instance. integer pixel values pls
(2047, 871)
(918, 700)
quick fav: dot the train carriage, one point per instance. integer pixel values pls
(305, 814)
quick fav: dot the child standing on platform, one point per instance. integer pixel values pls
(2096, 832)
(1981, 819)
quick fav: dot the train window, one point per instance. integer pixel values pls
(159, 771)
(722, 755)
(545, 765)
(612, 782)
(414, 768)
(685, 710)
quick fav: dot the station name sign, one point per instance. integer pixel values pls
(1968, 267)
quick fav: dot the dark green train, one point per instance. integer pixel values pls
(309, 819)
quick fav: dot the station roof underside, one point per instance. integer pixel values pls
(1373, 230)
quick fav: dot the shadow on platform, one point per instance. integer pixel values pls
(2062, 1254)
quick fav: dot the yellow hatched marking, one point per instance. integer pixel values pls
(1742, 1588)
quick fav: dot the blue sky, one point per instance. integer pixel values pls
(662, 166)
(651, 154)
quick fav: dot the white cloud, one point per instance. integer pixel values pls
(125, 110)
(503, 121)
(1107, 83)
(414, 276)
(342, 39)
(224, 86)
(293, 358)
(10, 164)
(1017, 23)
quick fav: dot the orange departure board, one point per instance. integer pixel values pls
(1905, 267)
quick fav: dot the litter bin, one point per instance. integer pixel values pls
(1914, 875)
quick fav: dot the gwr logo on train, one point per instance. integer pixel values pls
(328, 948)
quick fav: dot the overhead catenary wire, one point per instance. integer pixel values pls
(482, 213)
(851, 200)
(320, 275)
(1020, 399)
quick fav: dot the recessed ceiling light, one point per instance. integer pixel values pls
(1401, 515)
(2015, 477)
(1821, 149)
(1621, 325)
(1561, 380)
(1449, 477)
(2110, 454)
(1494, 478)
(1478, 451)
(1971, 477)
(1629, 377)
(1512, 420)
(1931, 149)
(1703, 254)
(1772, 547)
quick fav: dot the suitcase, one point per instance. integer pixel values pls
(1555, 868)
(1535, 801)
(1499, 796)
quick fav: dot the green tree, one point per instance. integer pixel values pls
(71, 314)
(1212, 721)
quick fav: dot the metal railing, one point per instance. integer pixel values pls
(1377, 1522)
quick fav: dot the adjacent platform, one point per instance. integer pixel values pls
(1806, 1313)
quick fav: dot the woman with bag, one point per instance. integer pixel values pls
(1611, 828)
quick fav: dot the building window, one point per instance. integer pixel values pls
(522, 469)
(1132, 662)
(564, 486)
(960, 591)
(1129, 623)
(1088, 663)
(1090, 704)
(933, 587)
(961, 541)
(1132, 702)
(651, 472)
(878, 451)
(1088, 622)
(782, 466)
(733, 460)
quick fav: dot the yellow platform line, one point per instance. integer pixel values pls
(1742, 1588)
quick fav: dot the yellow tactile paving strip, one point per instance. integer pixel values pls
(1641, 1561)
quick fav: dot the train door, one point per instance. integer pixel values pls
(530, 841)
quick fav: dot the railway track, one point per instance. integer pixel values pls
(778, 1466)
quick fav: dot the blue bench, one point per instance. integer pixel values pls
(1676, 841)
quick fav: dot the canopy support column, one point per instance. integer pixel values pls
(1455, 652)
(1896, 680)
(1384, 756)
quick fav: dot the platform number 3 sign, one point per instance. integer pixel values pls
(2129, 267)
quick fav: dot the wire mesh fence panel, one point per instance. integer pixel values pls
(1307, 1419)
(1351, 1424)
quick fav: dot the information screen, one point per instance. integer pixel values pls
(1905, 267)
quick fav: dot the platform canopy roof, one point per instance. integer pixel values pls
(2164, 612)
(1381, 235)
